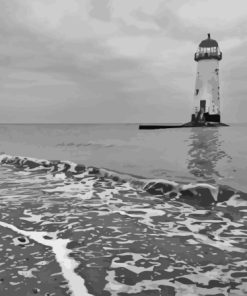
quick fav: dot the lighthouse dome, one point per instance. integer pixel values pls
(208, 42)
(208, 49)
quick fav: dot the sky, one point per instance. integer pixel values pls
(85, 61)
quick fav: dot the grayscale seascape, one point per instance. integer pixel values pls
(110, 210)
(123, 148)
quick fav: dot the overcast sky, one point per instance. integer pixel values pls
(116, 60)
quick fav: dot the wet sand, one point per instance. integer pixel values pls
(68, 233)
(28, 268)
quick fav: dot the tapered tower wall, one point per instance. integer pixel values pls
(206, 104)
(207, 87)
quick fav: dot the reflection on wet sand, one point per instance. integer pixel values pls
(205, 153)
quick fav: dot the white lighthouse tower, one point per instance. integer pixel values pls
(206, 104)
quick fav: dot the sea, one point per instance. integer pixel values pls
(111, 210)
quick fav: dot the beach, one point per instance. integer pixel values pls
(110, 210)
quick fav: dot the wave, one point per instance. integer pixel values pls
(201, 193)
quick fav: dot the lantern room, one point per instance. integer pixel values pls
(208, 49)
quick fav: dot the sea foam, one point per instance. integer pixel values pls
(59, 247)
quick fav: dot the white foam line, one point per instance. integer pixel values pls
(59, 247)
(149, 183)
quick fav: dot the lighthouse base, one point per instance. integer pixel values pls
(204, 124)
(205, 117)
(199, 120)
(188, 124)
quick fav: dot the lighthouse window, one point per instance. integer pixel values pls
(197, 92)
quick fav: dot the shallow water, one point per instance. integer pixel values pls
(119, 234)
(211, 154)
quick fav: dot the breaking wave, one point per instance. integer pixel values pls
(201, 193)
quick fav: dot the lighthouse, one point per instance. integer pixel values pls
(206, 102)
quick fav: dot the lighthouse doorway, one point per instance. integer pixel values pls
(203, 105)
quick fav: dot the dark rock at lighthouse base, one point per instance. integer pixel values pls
(204, 124)
(189, 124)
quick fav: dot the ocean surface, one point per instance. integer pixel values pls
(111, 210)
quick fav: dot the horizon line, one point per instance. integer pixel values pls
(87, 123)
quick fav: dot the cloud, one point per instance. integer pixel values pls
(211, 13)
(88, 60)
(101, 10)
